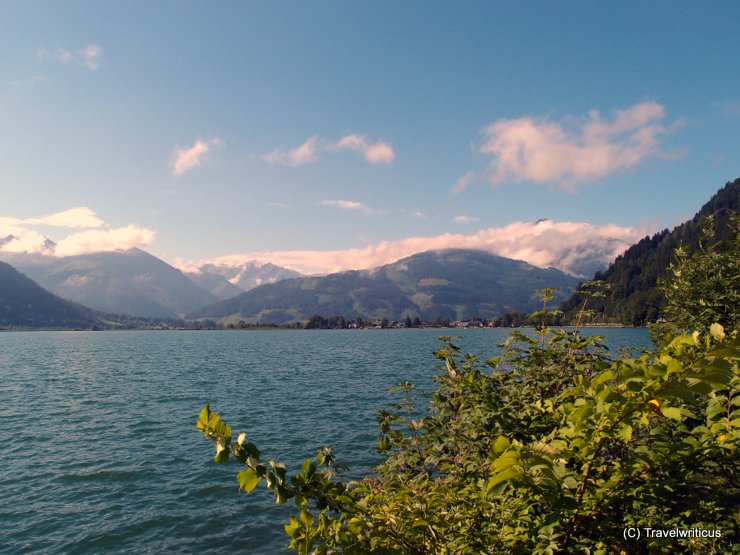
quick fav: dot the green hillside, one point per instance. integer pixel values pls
(632, 297)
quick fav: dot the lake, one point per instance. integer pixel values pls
(100, 450)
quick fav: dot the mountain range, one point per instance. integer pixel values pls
(135, 283)
(228, 280)
(452, 284)
(131, 282)
(632, 296)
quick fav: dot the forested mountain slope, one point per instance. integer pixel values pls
(632, 297)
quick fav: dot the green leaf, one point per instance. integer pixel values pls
(222, 453)
(281, 494)
(505, 475)
(500, 445)
(625, 433)
(248, 479)
(507, 459)
(203, 418)
(672, 412)
(309, 468)
(604, 377)
(306, 518)
(717, 331)
(293, 527)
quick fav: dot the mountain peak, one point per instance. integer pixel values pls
(245, 275)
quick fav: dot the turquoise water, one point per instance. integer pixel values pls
(99, 447)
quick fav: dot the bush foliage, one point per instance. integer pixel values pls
(553, 447)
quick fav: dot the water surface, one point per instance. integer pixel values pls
(99, 446)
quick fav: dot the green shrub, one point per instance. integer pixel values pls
(550, 447)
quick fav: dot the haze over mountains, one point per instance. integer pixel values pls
(132, 282)
(23, 304)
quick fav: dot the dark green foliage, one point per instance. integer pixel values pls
(633, 297)
(452, 284)
(704, 288)
(552, 448)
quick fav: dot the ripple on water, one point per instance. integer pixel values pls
(100, 451)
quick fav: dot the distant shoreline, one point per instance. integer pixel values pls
(286, 328)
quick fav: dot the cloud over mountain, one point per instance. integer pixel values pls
(576, 248)
(20, 235)
(104, 240)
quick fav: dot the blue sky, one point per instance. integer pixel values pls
(199, 130)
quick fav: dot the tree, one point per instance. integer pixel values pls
(316, 322)
(704, 288)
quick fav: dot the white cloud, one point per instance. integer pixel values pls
(569, 246)
(462, 183)
(465, 219)
(280, 205)
(20, 239)
(79, 217)
(574, 152)
(375, 153)
(185, 159)
(88, 57)
(311, 149)
(298, 156)
(95, 237)
(115, 239)
(349, 205)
